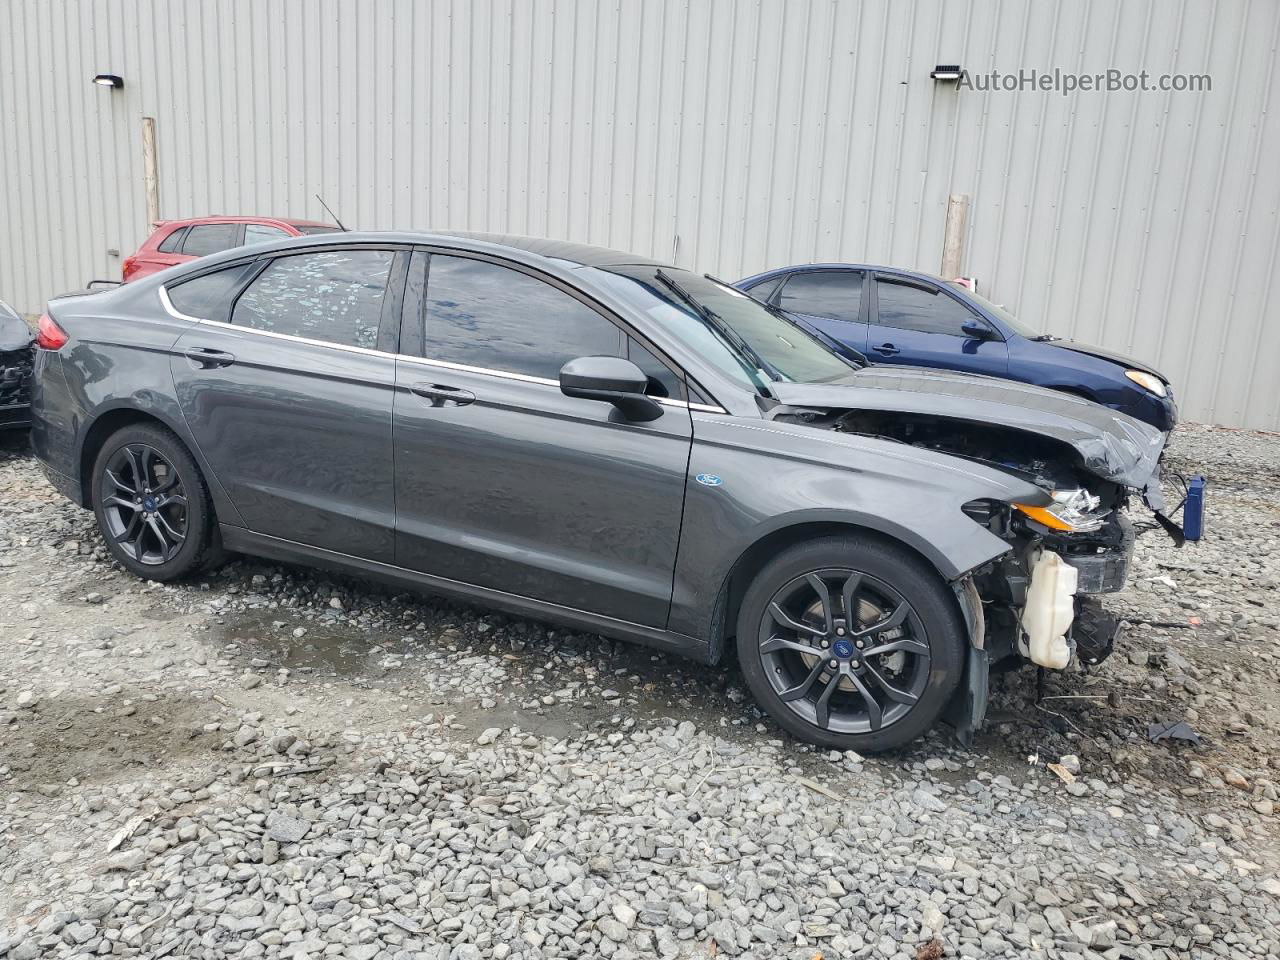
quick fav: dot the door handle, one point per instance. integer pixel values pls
(206, 359)
(886, 349)
(440, 393)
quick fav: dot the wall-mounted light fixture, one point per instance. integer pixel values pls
(946, 71)
(109, 80)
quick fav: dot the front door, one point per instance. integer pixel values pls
(504, 482)
(288, 396)
(830, 301)
(922, 325)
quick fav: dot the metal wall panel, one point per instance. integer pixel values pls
(728, 134)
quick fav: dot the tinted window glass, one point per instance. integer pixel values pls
(206, 238)
(261, 233)
(173, 241)
(207, 297)
(836, 295)
(764, 290)
(334, 296)
(787, 350)
(662, 380)
(485, 315)
(308, 229)
(913, 308)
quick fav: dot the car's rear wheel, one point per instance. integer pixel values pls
(152, 503)
(850, 643)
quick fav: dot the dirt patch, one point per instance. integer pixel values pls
(90, 739)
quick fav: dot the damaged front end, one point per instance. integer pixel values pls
(1039, 602)
(1077, 544)
(17, 354)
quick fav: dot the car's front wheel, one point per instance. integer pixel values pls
(850, 643)
(152, 503)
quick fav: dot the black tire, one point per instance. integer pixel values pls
(160, 460)
(910, 683)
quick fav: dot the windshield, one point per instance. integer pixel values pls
(309, 229)
(1003, 315)
(772, 348)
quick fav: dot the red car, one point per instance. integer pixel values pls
(177, 241)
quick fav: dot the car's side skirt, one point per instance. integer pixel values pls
(240, 540)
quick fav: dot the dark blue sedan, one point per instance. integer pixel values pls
(897, 316)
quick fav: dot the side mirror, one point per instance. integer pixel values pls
(977, 330)
(612, 380)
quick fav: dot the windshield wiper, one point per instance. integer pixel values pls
(717, 323)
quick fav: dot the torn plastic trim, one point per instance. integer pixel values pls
(968, 708)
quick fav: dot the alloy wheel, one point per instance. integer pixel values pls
(145, 504)
(844, 650)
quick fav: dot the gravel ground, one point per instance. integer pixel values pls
(277, 762)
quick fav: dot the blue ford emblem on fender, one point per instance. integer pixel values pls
(708, 479)
(843, 649)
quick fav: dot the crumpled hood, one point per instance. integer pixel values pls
(1105, 354)
(1111, 445)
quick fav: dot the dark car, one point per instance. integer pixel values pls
(180, 241)
(593, 438)
(893, 316)
(16, 355)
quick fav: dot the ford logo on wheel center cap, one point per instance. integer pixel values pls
(842, 649)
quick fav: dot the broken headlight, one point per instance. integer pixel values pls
(1072, 511)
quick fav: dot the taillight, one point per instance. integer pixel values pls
(50, 336)
(127, 268)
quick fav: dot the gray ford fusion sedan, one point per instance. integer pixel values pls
(590, 437)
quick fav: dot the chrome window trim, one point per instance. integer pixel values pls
(423, 361)
(173, 311)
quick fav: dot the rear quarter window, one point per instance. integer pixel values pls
(173, 242)
(207, 297)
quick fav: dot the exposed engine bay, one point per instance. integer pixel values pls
(1038, 602)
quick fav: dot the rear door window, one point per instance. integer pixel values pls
(335, 296)
(206, 238)
(261, 233)
(923, 309)
(834, 294)
(482, 314)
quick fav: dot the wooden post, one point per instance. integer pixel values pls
(150, 177)
(953, 236)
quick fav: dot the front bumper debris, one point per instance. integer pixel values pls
(1105, 568)
(15, 388)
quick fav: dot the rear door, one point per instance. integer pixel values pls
(203, 239)
(504, 482)
(919, 324)
(287, 386)
(831, 301)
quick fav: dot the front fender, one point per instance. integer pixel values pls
(774, 476)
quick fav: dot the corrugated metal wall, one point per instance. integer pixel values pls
(731, 135)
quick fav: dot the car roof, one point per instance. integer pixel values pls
(576, 254)
(233, 218)
(806, 267)
(535, 251)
